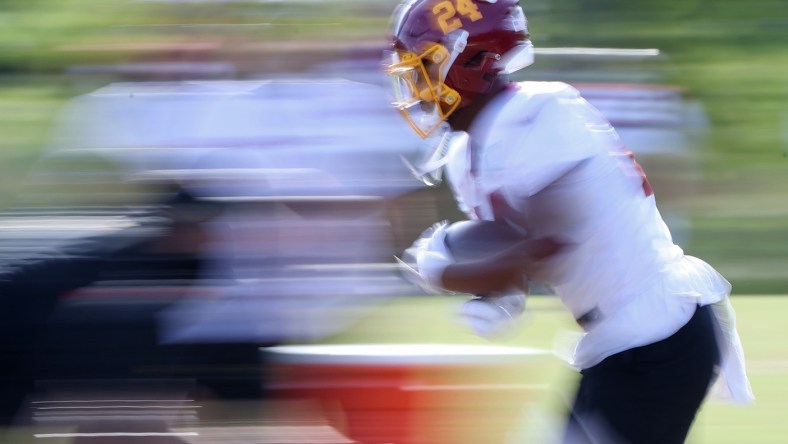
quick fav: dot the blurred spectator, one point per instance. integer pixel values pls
(252, 213)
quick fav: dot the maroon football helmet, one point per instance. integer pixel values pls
(445, 52)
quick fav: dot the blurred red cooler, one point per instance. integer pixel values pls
(413, 393)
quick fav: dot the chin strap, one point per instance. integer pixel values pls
(423, 262)
(430, 170)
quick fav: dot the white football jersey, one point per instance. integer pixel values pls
(545, 160)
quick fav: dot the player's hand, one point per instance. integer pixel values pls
(493, 317)
(423, 262)
(430, 239)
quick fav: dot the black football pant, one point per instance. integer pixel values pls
(648, 394)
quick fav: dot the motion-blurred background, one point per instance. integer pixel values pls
(189, 116)
(727, 56)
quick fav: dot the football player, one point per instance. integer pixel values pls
(657, 325)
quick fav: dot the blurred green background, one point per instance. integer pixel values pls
(728, 55)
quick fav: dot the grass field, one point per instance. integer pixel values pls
(761, 326)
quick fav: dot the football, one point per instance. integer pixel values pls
(474, 239)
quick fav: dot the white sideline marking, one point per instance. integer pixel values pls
(111, 400)
(650, 52)
(115, 406)
(76, 435)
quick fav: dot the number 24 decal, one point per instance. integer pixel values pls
(447, 12)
